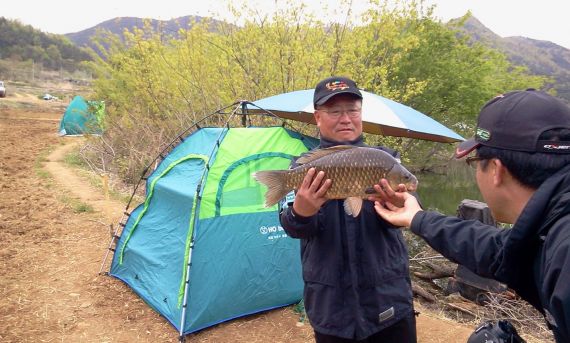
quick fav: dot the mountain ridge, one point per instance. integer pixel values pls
(119, 24)
(541, 57)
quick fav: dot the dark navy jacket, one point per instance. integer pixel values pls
(355, 269)
(533, 257)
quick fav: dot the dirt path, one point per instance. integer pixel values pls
(50, 255)
(67, 178)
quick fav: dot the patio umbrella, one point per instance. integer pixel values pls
(380, 116)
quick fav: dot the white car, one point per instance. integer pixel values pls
(2, 90)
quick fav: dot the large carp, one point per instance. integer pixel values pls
(353, 170)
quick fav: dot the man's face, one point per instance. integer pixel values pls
(485, 174)
(340, 118)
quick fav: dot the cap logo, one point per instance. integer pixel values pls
(483, 134)
(337, 85)
(556, 147)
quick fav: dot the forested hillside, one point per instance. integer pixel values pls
(24, 43)
(540, 57)
(20, 42)
(117, 26)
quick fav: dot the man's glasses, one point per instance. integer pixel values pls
(336, 113)
(472, 161)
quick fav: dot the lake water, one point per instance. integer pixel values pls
(444, 192)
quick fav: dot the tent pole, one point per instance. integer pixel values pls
(185, 297)
(110, 247)
(195, 219)
(191, 249)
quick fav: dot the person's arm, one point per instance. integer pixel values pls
(471, 243)
(468, 242)
(297, 226)
(299, 220)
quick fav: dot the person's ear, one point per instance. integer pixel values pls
(317, 116)
(499, 171)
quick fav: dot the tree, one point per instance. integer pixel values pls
(401, 52)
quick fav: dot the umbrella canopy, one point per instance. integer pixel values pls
(380, 116)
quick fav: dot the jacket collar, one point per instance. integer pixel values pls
(327, 143)
(545, 206)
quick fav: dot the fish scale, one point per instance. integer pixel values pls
(353, 171)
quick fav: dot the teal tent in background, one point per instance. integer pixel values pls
(82, 117)
(202, 248)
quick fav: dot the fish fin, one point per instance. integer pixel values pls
(316, 154)
(353, 206)
(276, 185)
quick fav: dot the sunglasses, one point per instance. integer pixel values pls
(472, 161)
(336, 113)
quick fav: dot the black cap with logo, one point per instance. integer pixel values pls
(332, 86)
(515, 121)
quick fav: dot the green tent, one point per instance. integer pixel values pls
(202, 248)
(82, 117)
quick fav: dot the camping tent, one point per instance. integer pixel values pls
(202, 248)
(82, 117)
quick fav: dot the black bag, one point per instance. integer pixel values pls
(495, 332)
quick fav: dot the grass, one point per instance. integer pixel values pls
(76, 205)
(73, 159)
(39, 169)
(299, 309)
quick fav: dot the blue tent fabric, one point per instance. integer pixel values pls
(241, 260)
(261, 275)
(81, 117)
(149, 265)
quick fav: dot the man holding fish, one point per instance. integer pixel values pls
(522, 161)
(355, 264)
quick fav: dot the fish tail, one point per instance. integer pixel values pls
(276, 182)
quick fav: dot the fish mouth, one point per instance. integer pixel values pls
(412, 185)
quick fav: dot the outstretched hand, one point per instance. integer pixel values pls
(397, 207)
(399, 216)
(385, 193)
(311, 194)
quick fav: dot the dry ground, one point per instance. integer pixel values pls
(52, 245)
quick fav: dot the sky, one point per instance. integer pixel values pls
(542, 20)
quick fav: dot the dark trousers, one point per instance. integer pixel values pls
(403, 331)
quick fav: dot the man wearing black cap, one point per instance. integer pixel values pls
(357, 285)
(522, 161)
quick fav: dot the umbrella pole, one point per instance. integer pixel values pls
(244, 114)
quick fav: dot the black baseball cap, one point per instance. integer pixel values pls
(515, 121)
(332, 86)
